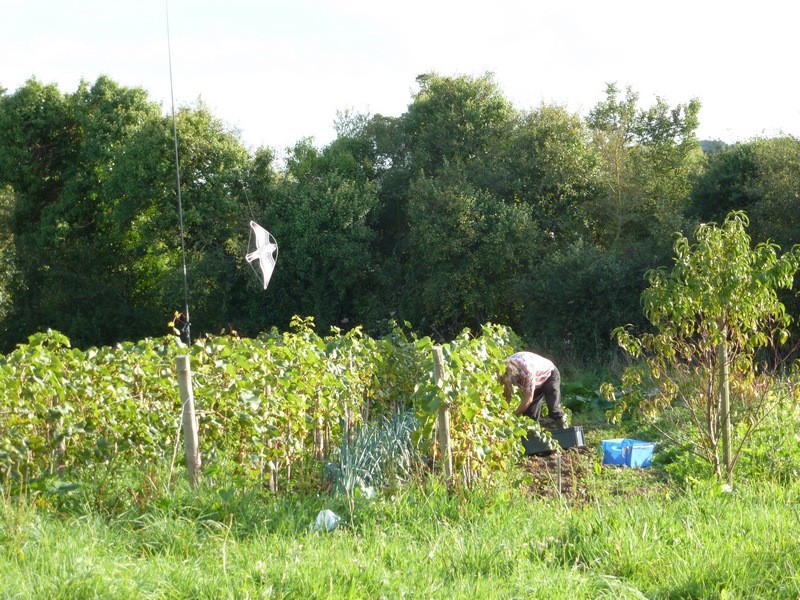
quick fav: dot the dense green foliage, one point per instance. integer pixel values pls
(277, 406)
(462, 210)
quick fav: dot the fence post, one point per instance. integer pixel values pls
(189, 420)
(443, 422)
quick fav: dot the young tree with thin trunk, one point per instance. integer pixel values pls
(709, 373)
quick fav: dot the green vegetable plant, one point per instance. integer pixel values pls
(275, 407)
(485, 433)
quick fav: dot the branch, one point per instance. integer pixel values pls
(761, 415)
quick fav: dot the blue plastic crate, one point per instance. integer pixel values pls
(628, 453)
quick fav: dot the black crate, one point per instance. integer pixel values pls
(566, 438)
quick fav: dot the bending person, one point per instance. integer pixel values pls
(538, 378)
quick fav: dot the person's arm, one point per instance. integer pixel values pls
(527, 399)
(508, 389)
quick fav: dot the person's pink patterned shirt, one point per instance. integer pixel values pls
(534, 369)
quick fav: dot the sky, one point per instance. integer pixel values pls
(279, 72)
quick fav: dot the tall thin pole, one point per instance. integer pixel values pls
(187, 327)
(189, 419)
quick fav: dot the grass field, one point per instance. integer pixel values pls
(635, 536)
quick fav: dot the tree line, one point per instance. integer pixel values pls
(463, 210)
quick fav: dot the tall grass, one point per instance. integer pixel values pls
(419, 542)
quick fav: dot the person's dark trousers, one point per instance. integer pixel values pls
(550, 390)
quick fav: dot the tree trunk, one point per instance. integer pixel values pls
(725, 406)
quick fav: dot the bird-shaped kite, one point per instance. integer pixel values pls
(266, 251)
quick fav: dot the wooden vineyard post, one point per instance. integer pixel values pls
(189, 420)
(443, 422)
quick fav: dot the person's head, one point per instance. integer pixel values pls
(511, 376)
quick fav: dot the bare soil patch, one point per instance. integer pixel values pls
(575, 468)
(582, 478)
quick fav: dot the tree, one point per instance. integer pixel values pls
(725, 185)
(468, 256)
(714, 314)
(144, 219)
(575, 296)
(452, 124)
(6, 249)
(454, 120)
(320, 215)
(776, 214)
(94, 218)
(650, 159)
(761, 177)
(56, 154)
(547, 162)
